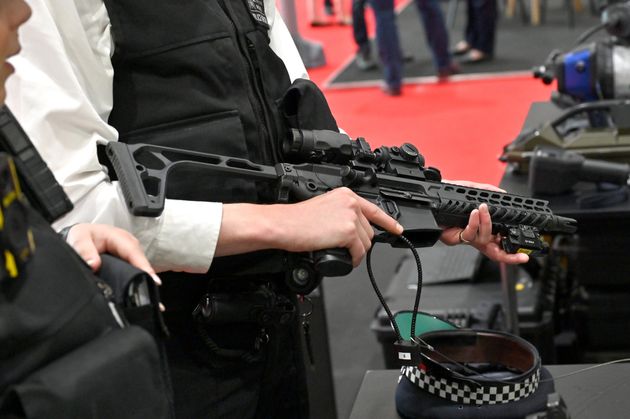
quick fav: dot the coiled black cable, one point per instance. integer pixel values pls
(368, 261)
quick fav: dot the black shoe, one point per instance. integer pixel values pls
(391, 90)
(444, 73)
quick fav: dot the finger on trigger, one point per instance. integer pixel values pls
(379, 217)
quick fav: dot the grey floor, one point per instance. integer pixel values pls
(519, 46)
(350, 307)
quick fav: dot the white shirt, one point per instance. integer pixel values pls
(62, 95)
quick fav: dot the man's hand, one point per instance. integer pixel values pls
(89, 240)
(478, 232)
(338, 218)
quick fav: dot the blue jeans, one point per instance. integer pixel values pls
(435, 32)
(388, 41)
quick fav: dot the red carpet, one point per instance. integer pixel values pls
(460, 127)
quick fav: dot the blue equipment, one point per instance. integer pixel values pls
(597, 70)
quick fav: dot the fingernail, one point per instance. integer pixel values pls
(399, 227)
(90, 262)
(156, 279)
(162, 308)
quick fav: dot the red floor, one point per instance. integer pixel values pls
(460, 127)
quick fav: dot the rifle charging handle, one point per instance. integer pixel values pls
(348, 176)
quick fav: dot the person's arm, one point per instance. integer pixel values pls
(338, 218)
(61, 93)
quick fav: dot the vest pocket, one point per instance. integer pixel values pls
(219, 133)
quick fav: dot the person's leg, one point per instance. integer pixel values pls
(359, 29)
(435, 31)
(463, 46)
(329, 8)
(363, 58)
(484, 25)
(314, 15)
(342, 12)
(388, 43)
(470, 23)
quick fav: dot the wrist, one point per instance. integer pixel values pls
(247, 228)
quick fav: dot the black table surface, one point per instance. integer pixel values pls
(598, 393)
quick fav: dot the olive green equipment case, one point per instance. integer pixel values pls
(597, 130)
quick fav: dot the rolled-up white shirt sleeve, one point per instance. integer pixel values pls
(61, 93)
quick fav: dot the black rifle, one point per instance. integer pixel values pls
(394, 178)
(39, 184)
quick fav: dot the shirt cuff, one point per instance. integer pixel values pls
(188, 236)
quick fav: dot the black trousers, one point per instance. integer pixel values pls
(481, 25)
(271, 384)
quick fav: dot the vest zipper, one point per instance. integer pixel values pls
(248, 52)
(108, 294)
(272, 130)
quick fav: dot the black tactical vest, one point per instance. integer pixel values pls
(62, 353)
(198, 75)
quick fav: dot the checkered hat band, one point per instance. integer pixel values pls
(457, 392)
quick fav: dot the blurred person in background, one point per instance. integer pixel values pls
(334, 13)
(479, 34)
(388, 41)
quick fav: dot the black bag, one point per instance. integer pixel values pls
(65, 349)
